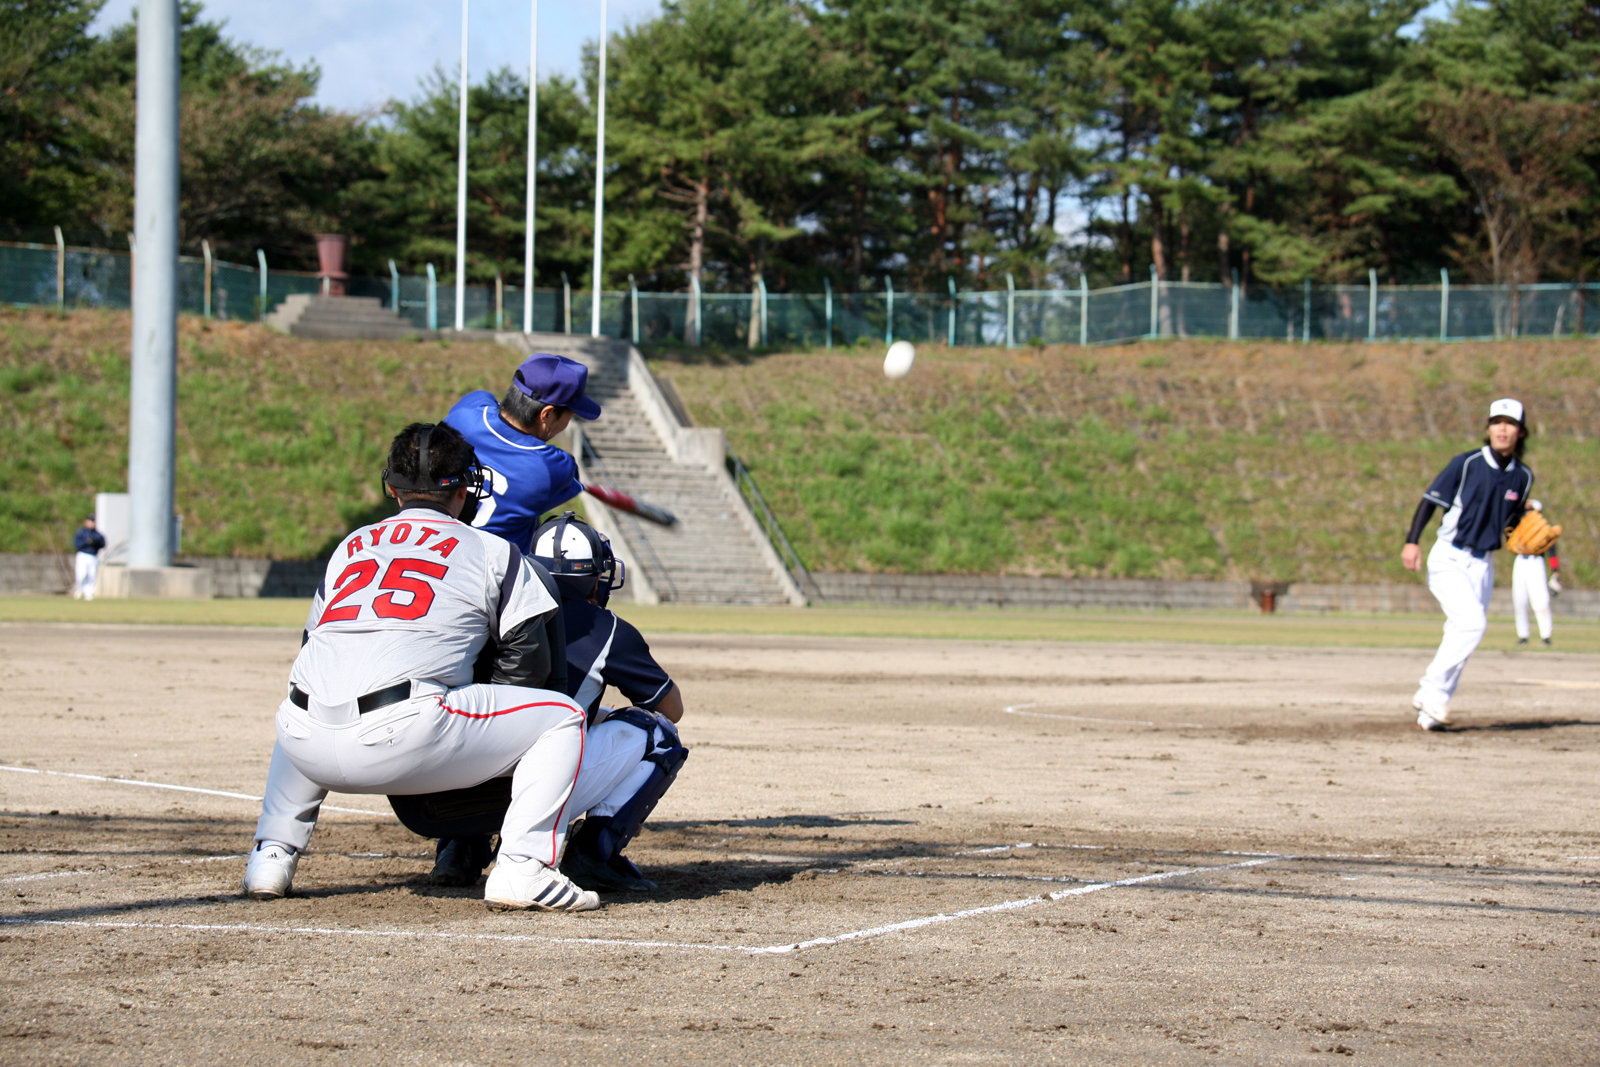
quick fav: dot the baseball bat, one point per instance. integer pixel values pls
(616, 498)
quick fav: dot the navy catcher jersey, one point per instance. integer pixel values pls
(1481, 498)
(524, 476)
(604, 650)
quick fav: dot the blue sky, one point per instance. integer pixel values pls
(371, 51)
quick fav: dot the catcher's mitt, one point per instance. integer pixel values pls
(1532, 536)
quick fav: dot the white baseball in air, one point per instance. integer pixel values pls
(897, 364)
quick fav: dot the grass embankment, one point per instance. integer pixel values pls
(931, 623)
(1174, 459)
(280, 440)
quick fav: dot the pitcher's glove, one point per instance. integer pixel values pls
(1555, 584)
(1532, 536)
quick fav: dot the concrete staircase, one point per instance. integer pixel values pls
(717, 552)
(340, 318)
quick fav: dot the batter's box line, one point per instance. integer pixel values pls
(689, 946)
(209, 859)
(169, 785)
(1018, 709)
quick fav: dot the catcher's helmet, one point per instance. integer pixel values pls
(579, 558)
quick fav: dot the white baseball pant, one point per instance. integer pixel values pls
(1528, 589)
(1462, 584)
(613, 768)
(439, 739)
(85, 569)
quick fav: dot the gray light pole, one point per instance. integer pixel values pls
(154, 386)
(533, 171)
(461, 186)
(599, 180)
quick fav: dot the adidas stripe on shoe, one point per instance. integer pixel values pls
(518, 884)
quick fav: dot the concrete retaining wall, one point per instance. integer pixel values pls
(24, 575)
(34, 574)
(1118, 594)
(983, 591)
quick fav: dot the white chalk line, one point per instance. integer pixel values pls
(749, 950)
(1552, 683)
(973, 875)
(176, 788)
(1123, 848)
(107, 870)
(207, 859)
(1016, 709)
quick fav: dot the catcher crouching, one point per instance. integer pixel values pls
(1484, 493)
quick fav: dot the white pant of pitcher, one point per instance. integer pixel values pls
(1462, 584)
(439, 739)
(1528, 590)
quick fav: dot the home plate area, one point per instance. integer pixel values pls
(1182, 855)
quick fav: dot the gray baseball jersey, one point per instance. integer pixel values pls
(412, 598)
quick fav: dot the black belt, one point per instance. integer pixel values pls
(380, 698)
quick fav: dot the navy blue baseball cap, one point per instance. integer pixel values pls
(552, 379)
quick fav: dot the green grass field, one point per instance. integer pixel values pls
(932, 623)
(280, 439)
(1172, 459)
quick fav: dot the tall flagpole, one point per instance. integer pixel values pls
(533, 171)
(599, 180)
(461, 187)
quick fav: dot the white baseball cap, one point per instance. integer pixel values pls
(1511, 409)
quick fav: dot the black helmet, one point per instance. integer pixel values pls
(447, 442)
(579, 558)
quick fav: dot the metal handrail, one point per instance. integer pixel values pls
(769, 523)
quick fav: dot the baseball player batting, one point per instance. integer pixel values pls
(524, 476)
(382, 699)
(1482, 493)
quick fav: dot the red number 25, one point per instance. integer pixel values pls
(359, 575)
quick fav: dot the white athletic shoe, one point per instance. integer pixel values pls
(1430, 715)
(519, 884)
(270, 871)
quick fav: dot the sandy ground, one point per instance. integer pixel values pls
(1306, 875)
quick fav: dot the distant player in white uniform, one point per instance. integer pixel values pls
(381, 698)
(1483, 492)
(1531, 589)
(88, 543)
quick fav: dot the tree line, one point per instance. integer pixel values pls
(927, 140)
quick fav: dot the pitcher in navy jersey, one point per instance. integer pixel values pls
(1482, 492)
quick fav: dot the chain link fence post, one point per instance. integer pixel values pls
(261, 298)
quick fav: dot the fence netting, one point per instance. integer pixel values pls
(74, 277)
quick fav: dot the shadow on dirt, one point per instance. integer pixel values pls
(1521, 724)
(775, 822)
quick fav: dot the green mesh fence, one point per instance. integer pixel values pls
(91, 277)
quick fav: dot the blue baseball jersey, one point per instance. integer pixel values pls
(525, 477)
(1481, 498)
(604, 650)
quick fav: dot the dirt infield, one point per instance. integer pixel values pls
(883, 850)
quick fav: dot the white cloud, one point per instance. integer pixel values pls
(371, 51)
